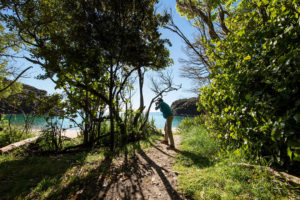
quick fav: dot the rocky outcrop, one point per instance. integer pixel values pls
(38, 92)
(22, 102)
(185, 107)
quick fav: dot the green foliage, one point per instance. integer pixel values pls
(253, 100)
(11, 134)
(189, 8)
(205, 173)
(16, 134)
(191, 122)
(52, 136)
(133, 133)
(8, 45)
(91, 49)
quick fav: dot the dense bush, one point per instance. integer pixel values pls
(254, 96)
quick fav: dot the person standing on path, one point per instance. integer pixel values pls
(168, 115)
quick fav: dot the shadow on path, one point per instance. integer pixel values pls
(190, 158)
(135, 174)
(154, 146)
(171, 191)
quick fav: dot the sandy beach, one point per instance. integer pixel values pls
(70, 133)
(73, 133)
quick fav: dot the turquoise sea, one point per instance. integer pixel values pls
(39, 122)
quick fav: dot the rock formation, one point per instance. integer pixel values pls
(22, 102)
(185, 107)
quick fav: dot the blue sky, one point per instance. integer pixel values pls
(176, 52)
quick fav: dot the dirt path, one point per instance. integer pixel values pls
(144, 175)
(148, 175)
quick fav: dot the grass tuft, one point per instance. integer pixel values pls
(12, 135)
(205, 173)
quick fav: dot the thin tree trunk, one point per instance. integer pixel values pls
(111, 117)
(141, 108)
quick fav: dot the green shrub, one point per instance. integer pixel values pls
(253, 100)
(12, 134)
(192, 122)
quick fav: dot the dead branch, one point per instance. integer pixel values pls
(12, 82)
(161, 86)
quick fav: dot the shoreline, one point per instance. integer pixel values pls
(74, 133)
(70, 133)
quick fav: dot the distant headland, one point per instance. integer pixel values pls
(185, 107)
(21, 99)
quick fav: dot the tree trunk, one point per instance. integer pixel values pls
(141, 108)
(111, 116)
(85, 132)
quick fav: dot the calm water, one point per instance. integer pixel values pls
(39, 122)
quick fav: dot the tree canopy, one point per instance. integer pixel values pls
(91, 48)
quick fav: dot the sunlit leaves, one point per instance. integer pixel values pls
(91, 49)
(9, 45)
(255, 88)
